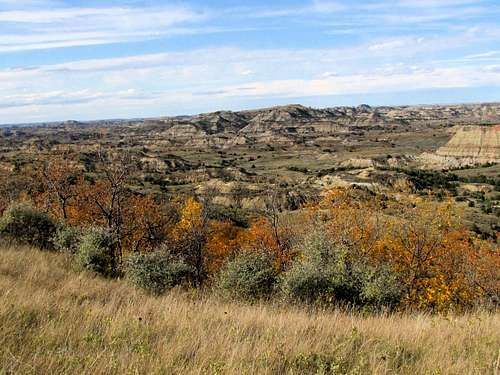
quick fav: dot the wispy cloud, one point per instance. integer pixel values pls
(263, 52)
(436, 3)
(184, 81)
(484, 55)
(371, 83)
(67, 27)
(49, 98)
(421, 9)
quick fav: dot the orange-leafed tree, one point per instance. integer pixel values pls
(221, 243)
(352, 216)
(425, 242)
(19, 184)
(146, 223)
(428, 245)
(262, 236)
(190, 235)
(61, 177)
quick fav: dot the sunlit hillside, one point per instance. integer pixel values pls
(55, 320)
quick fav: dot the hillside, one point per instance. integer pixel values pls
(55, 321)
(285, 125)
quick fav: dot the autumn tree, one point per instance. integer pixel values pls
(353, 217)
(268, 231)
(423, 241)
(221, 243)
(17, 185)
(147, 222)
(61, 176)
(190, 235)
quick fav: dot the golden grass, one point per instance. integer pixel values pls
(56, 321)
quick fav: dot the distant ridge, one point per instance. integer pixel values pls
(489, 113)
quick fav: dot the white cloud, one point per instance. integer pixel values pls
(483, 55)
(492, 68)
(65, 27)
(247, 72)
(322, 6)
(215, 77)
(370, 83)
(16, 4)
(400, 12)
(328, 75)
(388, 45)
(437, 3)
(315, 7)
(173, 83)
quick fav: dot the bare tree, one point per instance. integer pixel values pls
(61, 176)
(272, 212)
(110, 193)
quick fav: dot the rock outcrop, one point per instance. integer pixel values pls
(290, 125)
(469, 146)
(296, 124)
(479, 143)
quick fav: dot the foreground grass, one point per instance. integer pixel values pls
(53, 320)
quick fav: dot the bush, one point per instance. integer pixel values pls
(25, 224)
(329, 273)
(67, 239)
(248, 276)
(304, 282)
(380, 286)
(157, 272)
(96, 252)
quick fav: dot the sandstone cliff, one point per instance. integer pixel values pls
(294, 124)
(480, 143)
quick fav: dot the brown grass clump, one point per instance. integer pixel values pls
(56, 321)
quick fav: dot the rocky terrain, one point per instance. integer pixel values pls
(296, 150)
(285, 125)
(296, 124)
(468, 146)
(480, 143)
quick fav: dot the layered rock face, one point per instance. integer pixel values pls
(286, 125)
(293, 124)
(481, 144)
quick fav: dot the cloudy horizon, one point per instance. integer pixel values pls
(62, 59)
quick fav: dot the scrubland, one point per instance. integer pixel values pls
(56, 320)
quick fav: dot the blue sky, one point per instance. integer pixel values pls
(63, 59)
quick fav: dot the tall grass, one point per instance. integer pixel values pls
(56, 321)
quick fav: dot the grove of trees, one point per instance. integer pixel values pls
(349, 246)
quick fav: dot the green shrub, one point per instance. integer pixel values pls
(329, 273)
(380, 286)
(157, 272)
(248, 276)
(304, 282)
(25, 224)
(323, 273)
(96, 252)
(67, 239)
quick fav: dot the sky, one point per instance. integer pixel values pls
(88, 59)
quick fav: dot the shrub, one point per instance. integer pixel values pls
(329, 273)
(304, 282)
(25, 224)
(67, 239)
(248, 276)
(324, 273)
(157, 272)
(380, 286)
(96, 252)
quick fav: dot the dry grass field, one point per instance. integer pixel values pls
(54, 320)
